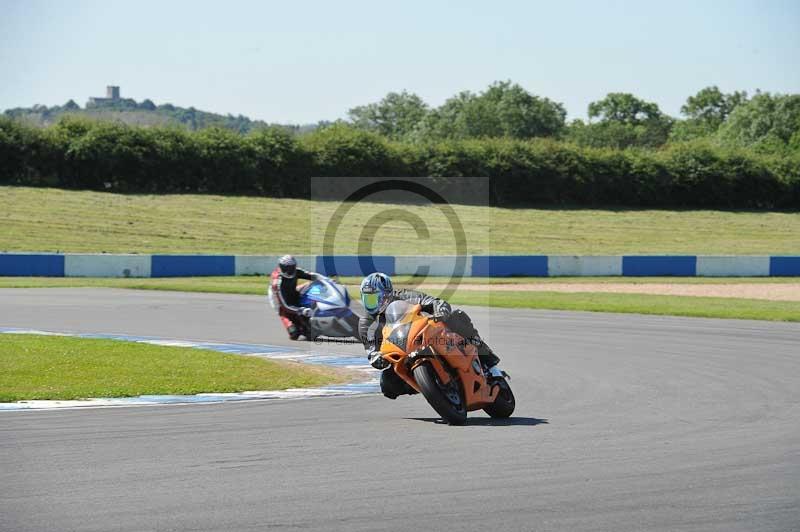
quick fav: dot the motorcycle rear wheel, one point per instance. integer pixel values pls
(446, 399)
(504, 403)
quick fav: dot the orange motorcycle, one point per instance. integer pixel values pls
(441, 365)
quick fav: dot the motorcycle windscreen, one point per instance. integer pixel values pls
(399, 317)
(398, 312)
(321, 292)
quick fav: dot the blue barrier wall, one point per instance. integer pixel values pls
(31, 265)
(354, 265)
(647, 265)
(509, 266)
(110, 265)
(784, 266)
(192, 265)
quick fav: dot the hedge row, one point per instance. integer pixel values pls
(80, 154)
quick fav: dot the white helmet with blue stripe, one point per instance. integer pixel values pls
(376, 292)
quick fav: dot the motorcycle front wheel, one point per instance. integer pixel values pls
(504, 403)
(446, 399)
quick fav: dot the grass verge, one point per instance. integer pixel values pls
(223, 285)
(61, 367)
(699, 307)
(257, 285)
(40, 219)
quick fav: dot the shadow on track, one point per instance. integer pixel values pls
(488, 421)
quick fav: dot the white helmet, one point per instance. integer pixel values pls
(288, 266)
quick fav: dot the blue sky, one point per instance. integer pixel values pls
(304, 61)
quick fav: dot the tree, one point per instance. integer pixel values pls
(395, 116)
(625, 108)
(502, 110)
(769, 121)
(449, 121)
(691, 129)
(618, 135)
(624, 121)
(147, 105)
(71, 106)
(520, 114)
(711, 107)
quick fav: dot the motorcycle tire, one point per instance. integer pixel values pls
(447, 400)
(504, 403)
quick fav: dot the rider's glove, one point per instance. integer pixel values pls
(306, 312)
(376, 360)
(442, 310)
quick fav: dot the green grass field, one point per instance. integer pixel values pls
(257, 285)
(710, 307)
(696, 307)
(70, 221)
(59, 367)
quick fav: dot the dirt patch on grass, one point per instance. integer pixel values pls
(771, 292)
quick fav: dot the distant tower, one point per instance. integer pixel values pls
(112, 96)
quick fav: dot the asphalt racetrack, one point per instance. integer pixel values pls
(623, 423)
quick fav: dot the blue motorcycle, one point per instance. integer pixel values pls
(331, 314)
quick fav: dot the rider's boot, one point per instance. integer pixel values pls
(393, 386)
(490, 361)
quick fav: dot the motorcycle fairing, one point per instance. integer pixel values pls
(446, 351)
